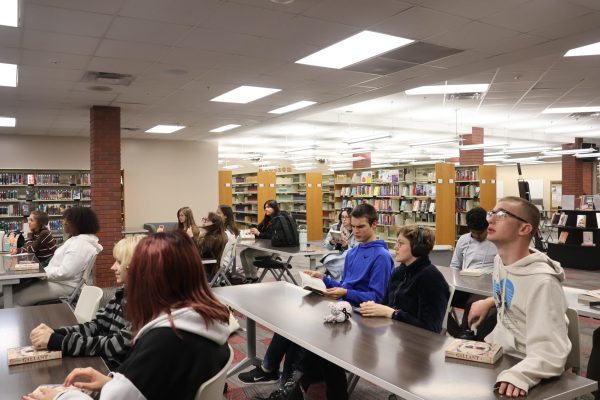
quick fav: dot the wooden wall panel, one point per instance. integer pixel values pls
(266, 190)
(445, 198)
(487, 192)
(314, 205)
(225, 195)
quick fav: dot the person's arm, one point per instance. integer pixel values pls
(547, 340)
(457, 257)
(381, 270)
(75, 259)
(433, 300)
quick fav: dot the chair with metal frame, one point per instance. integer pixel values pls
(213, 388)
(226, 266)
(273, 264)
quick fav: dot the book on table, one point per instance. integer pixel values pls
(471, 350)
(315, 285)
(472, 272)
(588, 300)
(563, 237)
(27, 354)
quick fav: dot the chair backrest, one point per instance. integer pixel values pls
(441, 255)
(88, 303)
(228, 257)
(87, 278)
(574, 358)
(213, 388)
(448, 308)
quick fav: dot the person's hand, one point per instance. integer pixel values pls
(40, 336)
(344, 241)
(96, 379)
(336, 292)
(254, 231)
(372, 309)
(314, 274)
(479, 310)
(510, 390)
(189, 232)
(13, 251)
(42, 393)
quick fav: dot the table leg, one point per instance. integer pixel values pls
(313, 263)
(8, 296)
(251, 358)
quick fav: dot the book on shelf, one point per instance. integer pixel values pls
(563, 237)
(581, 220)
(432, 207)
(416, 205)
(471, 350)
(555, 218)
(563, 219)
(598, 220)
(315, 285)
(27, 354)
(588, 238)
(472, 272)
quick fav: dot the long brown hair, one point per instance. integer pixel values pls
(189, 221)
(166, 274)
(214, 241)
(229, 219)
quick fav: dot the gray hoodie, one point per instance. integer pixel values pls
(532, 322)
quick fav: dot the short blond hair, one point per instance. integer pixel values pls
(123, 250)
(530, 211)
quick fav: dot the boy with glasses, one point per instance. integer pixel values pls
(530, 302)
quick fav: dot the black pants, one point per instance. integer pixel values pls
(316, 369)
(593, 368)
(462, 300)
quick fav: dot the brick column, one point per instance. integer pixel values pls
(105, 160)
(472, 157)
(572, 170)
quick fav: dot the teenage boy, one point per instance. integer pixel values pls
(367, 270)
(473, 251)
(530, 302)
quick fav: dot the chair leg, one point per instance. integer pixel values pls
(352, 381)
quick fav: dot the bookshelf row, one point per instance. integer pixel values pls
(578, 244)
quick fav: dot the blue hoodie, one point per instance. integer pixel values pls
(367, 270)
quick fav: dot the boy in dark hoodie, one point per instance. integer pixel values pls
(530, 302)
(367, 270)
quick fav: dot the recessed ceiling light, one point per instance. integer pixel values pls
(8, 122)
(569, 110)
(245, 94)
(9, 13)
(8, 75)
(282, 1)
(589, 50)
(225, 128)
(165, 128)
(447, 89)
(359, 47)
(293, 107)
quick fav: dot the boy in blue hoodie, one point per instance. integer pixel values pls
(367, 270)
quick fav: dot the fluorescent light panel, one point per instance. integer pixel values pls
(225, 128)
(436, 141)
(425, 162)
(232, 166)
(359, 47)
(299, 149)
(570, 110)
(589, 50)
(8, 122)
(449, 89)
(9, 13)
(588, 155)
(303, 168)
(568, 152)
(355, 151)
(368, 138)
(520, 150)
(245, 94)
(293, 107)
(9, 74)
(480, 146)
(165, 128)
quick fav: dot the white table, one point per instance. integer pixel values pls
(10, 277)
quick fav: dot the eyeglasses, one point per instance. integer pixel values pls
(501, 214)
(345, 216)
(204, 219)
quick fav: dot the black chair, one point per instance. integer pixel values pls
(279, 269)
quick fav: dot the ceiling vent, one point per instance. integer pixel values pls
(464, 96)
(108, 78)
(128, 129)
(584, 115)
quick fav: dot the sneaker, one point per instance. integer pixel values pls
(250, 280)
(257, 375)
(290, 391)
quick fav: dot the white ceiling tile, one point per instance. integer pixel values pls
(473, 9)
(53, 19)
(10, 36)
(358, 13)
(137, 30)
(295, 7)
(10, 55)
(474, 35)
(104, 6)
(183, 12)
(132, 50)
(54, 59)
(27, 72)
(59, 42)
(131, 67)
(314, 31)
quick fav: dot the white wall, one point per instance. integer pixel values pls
(160, 176)
(544, 172)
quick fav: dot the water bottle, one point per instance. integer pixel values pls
(302, 237)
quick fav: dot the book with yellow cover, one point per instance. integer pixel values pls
(471, 350)
(27, 354)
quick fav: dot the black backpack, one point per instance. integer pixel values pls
(285, 231)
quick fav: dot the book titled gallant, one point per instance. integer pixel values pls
(27, 354)
(471, 350)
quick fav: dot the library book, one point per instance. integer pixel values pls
(472, 350)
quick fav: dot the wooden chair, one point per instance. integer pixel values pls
(213, 388)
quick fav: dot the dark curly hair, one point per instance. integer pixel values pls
(83, 219)
(477, 219)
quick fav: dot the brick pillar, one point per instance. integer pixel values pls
(105, 160)
(572, 170)
(472, 157)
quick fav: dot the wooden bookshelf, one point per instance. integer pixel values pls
(445, 232)
(487, 195)
(314, 205)
(266, 190)
(300, 194)
(329, 214)
(225, 188)
(475, 187)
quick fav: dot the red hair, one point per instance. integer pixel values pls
(166, 273)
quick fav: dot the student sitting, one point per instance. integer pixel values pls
(367, 270)
(334, 262)
(530, 302)
(473, 251)
(233, 233)
(186, 222)
(264, 230)
(180, 328)
(39, 239)
(70, 260)
(108, 335)
(212, 241)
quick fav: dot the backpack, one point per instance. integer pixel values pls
(285, 231)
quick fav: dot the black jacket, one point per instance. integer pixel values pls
(266, 229)
(419, 294)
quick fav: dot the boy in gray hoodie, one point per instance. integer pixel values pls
(531, 305)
